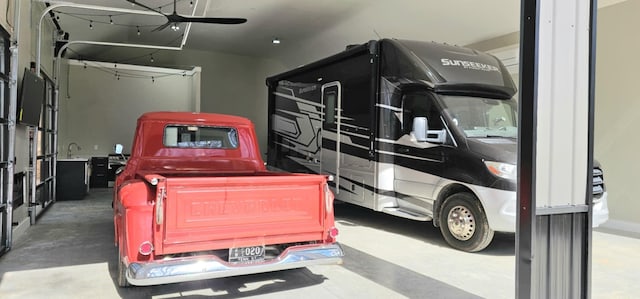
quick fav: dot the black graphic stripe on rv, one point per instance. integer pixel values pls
(346, 148)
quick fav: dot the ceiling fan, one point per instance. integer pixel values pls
(174, 18)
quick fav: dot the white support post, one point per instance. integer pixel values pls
(556, 149)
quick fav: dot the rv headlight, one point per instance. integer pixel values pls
(503, 170)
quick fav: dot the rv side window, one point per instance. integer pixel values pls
(330, 107)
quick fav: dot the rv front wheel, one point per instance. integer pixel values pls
(464, 224)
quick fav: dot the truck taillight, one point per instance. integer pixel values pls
(145, 248)
(332, 234)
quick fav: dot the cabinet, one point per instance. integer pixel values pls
(72, 178)
(99, 172)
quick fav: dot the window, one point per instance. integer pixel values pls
(183, 136)
(481, 117)
(330, 107)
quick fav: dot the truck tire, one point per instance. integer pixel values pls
(122, 272)
(464, 224)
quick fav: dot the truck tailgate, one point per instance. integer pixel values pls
(207, 213)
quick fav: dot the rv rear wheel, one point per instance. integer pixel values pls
(464, 224)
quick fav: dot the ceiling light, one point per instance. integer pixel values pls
(275, 41)
(175, 27)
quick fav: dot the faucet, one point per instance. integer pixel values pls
(71, 146)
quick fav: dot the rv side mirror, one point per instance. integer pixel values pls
(118, 149)
(423, 134)
(420, 128)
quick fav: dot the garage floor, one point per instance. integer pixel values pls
(69, 253)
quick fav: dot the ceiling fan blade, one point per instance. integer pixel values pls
(144, 6)
(182, 19)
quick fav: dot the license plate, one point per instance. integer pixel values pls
(246, 254)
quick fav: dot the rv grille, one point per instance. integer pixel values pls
(598, 184)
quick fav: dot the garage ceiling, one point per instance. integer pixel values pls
(291, 21)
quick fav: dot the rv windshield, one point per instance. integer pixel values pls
(482, 117)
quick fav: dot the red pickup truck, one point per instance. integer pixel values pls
(195, 201)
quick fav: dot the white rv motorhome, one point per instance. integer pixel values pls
(420, 130)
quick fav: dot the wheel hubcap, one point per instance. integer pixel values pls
(461, 223)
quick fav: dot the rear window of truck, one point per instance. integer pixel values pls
(183, 136)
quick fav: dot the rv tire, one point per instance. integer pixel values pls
(464, 224)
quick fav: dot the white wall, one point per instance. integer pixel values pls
(617, 106)
(97, 110)
(231, 84)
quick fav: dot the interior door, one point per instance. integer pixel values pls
(331, 112)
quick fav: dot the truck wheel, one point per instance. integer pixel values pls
(464, 224)
(122, 273)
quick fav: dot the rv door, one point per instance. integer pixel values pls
(330, 153)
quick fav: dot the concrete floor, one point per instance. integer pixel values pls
(69, 253)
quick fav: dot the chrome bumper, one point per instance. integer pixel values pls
(211, 266)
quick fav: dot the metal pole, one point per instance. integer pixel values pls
(592, 106)
(54, 159)
(11, 120)
(32, 170)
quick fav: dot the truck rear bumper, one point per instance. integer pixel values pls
(210, 266)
